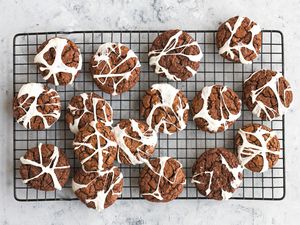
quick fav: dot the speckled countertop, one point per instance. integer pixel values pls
(28, 16)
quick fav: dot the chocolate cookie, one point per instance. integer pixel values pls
(59, 61)
(239, 40)
(45, 167)
(115, 68)
(165, 108)
(215, 108)
(88, 107)
(162, 179)
(36, 107)
(217, 174)
(175, 54)
(267, 94)
(95, 146)
(258, 147)
(98, 190)
(136, 142)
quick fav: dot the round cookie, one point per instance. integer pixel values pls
(95, 147)
(217, 174)
(175, 55)
(162, 179)
(115, 68)
(165, 108)
(258, 147)
(87, 107)
(267, 94)
(136, 141)
(215, 108)
(36, 107)
(98, 190)
(45, 167)
(239, 40)
(59, 61)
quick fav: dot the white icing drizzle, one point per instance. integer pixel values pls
(226, 194)
(36, 90)
(235, 171)
(171, 45)
(168, 94)
(103, 55)
(273, 84)
(147, 138)
(247, 151)
(214, 124)
(226, 48)
(58, 65)
(95, 100)
(100, 199)
(162, 161)
(195, 181)
(49, 169)
(100, 150)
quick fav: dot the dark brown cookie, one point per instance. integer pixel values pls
(87, 107)
(267, 94)
(165, 108)
(239, 39)
(215, 108)
(175, 54)
(258, 147)
(36, 107)
(162, 179)
(98, 190)
(45, 167)
(136, 142)
(59, 61)
(115, 68)
(95, 146)
(217, 174)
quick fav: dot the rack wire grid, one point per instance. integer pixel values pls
(185, 145)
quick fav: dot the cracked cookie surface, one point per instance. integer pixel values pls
(217, 174)
(174, 54)
(165, 108)
(215, 108)
(239, 39)
(258, 147)
(162, 179)
(267, 94)
(45, 167)
(59, 61)
(36, 106)
(115, 68)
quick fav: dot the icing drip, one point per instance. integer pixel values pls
(100, 150)
(228, 49)
(100, 199)
(95, 100)
(103, 55)
(214, 124)
(145, 139)
(247, 151)
(260, 106)
(168, 94)
(211, 173)
(162, 161)
(49, 169)
(36, 90)
(171, 45)
(58, 65)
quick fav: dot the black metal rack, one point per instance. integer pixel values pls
(186, 145)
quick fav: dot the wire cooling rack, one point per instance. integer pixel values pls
(186, 145)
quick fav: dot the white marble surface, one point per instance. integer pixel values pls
(27, 16)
